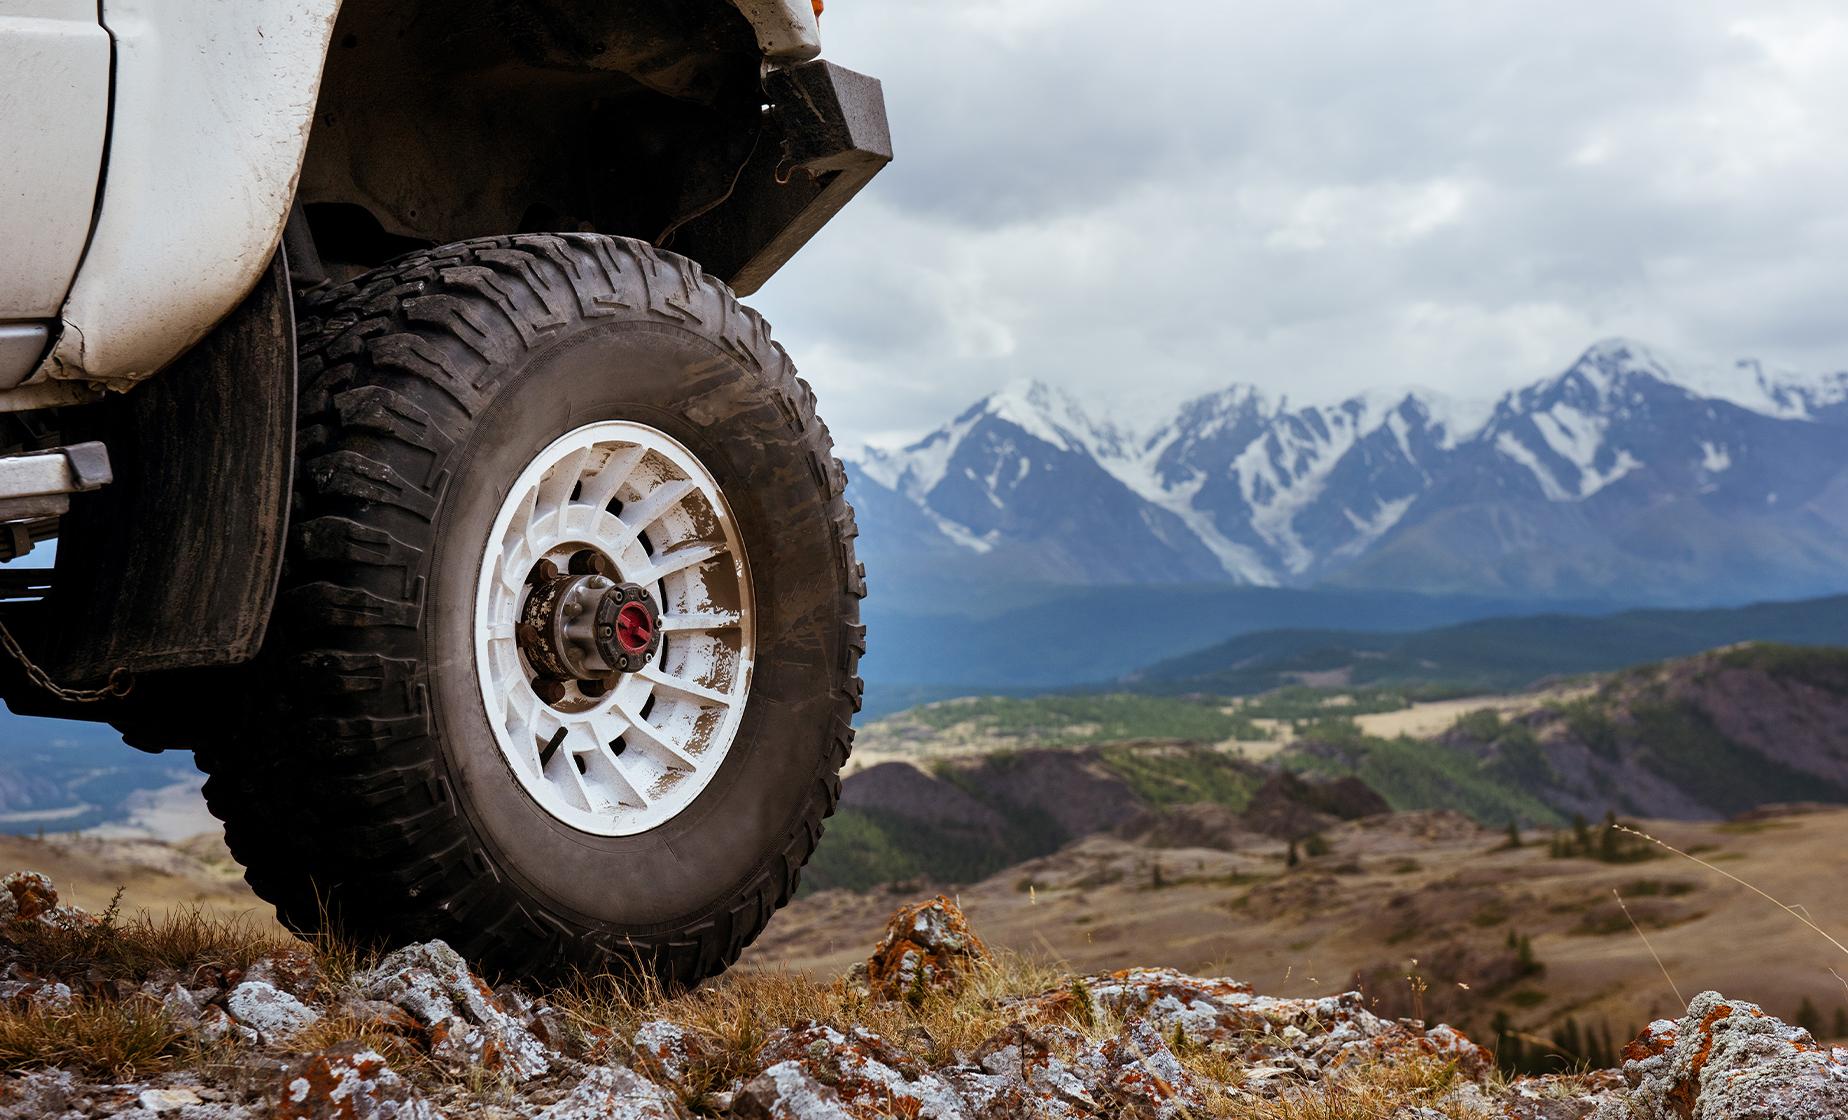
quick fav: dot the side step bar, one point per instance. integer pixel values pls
(40, 483)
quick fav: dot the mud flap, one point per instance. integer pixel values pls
(174, 565)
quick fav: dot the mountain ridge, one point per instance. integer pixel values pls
(1621, 477)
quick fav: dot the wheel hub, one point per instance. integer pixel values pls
(587, 627)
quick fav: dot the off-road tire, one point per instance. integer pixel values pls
(356, 795)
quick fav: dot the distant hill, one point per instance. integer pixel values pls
(1699, 738)
(954, 790)
(972, 641)
(65, 775)
(1487, 654)
(968, 817)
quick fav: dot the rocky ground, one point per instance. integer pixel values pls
(202, 1019)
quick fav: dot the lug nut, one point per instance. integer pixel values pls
(543, 571)
(548, 690)
(589, 561)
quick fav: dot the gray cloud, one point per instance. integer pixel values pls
(1142, 202)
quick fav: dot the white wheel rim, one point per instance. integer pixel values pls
(636, 756)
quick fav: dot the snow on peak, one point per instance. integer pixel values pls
(1746, 382)
(1260, 480)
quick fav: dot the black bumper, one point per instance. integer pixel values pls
(824, 138)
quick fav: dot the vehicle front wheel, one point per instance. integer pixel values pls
(565, 653)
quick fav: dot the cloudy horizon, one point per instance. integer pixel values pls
(1319, 199)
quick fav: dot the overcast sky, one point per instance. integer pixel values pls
(1142, 202)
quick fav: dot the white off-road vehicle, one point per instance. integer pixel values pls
(379, 370)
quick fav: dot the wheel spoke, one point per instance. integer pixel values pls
(705, 620)
(659, 741)
(678, 560)
(638, 515)
(605, 763)
(601, 487)
(603, 731)
(686, 687)
(566, 761)
(555, 490)
(524, 514)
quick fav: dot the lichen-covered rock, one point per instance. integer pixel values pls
(50, 1094)
(927, 946)
(1019, 1072)
(29, 896)
(870, 1077)
(666, 1051)
(292, 970)
(1311, 1038)
(1728, 1060)
(273, 1013)
(1139, 1075)
(466, 1024)
(215, 1024)
(615, 1093)
(350, 1082)
(785, 1091)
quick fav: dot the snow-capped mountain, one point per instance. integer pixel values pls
(1620, 477)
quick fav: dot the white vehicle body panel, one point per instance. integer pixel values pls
(787, 30)
(212, 106)
(54, 113)
(213, 101)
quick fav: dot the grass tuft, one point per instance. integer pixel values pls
(103, 1038)
(187, 940)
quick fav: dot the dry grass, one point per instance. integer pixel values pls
(105, 1038)
(1377, 1093)
(734, 1016)
(188, 940)
(109, 1029)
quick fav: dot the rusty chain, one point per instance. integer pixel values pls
(120, 682)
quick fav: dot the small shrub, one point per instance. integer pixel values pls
(1489, 914)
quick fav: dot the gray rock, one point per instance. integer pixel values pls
(785, 1091)
(1138, 1072)
(1017, 1074)
(293, 971)
(864, 1071)
(273, 1013)
(1728, 1060)
(167, 1100)
(663, 1048)
(215, 1024)
(468, 1026)
(41, 1095)
(350, 1082)
(615, 1093)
